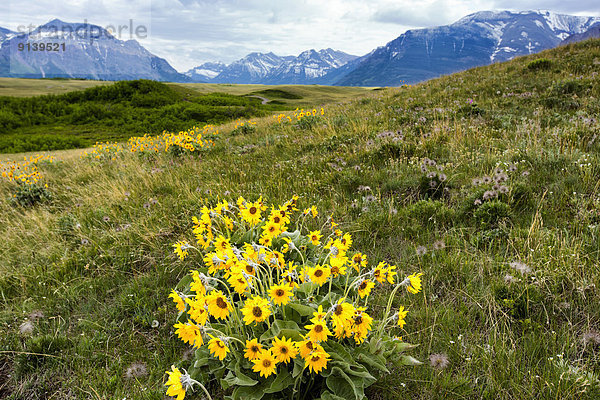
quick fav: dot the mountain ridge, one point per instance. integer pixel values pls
(477, 39)
(80, 50)
(416, 55)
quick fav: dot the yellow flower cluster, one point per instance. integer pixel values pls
(239, 123)
(259, 270)
(103, 150)
(191, 140)
(25, 171)
(298, 114)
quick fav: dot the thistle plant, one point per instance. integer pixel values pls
(278, 311)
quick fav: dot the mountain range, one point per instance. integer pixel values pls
(475, 40)
(592, 32)
(89, 52)
(416, 55)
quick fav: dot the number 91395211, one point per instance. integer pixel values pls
(40, 46)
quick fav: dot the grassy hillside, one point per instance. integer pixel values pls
(311, 95)
(292, 95)
(487, 181)
(19, 87)
(117, 111)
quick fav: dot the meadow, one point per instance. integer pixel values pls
(54, 114)
(486, 181)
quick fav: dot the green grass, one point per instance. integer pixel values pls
(117, 111)
(290, 95)
(525, 335)
(19, 87)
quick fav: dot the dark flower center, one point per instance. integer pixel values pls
(284, 350)
(358, 320)
(363, 286)
(279, 292)
(257, 312)
(318, 328)
(254, 349)
(252, 210)
(266, 363)
(221, 303)
(338, 310)
(318, 273)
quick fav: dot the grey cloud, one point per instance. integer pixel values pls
(423, 15)
(567, 7)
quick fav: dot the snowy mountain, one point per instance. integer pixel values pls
(74, 50)
(206, 71)
(592, 32)
(251, 69)
(89, 51)
(477, 39)
(5, 33)
(309, 67)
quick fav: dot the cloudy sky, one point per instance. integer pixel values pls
(190, 32)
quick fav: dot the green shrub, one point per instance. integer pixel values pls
(28, 195)
(432, 187)
(567, 87)
(539, 64)
(491, 214)
(432, 212)
(244, 129)
(470, 110)
(522, 197)
(309, 122)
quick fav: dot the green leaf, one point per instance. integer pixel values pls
(201, 362)
(329, 300)
(184, 283)
(358, 370)
(298, 367)
(238, 379)
(327, 395)
(307, 288)
(374, 361)
(409, 360)
(281, 382)
(403, 346)
(216, 367)
(344, 386)
(280, 326)
(337, 351)
(301, 309)
(248, 393)
(292, 235)
(291, 334)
